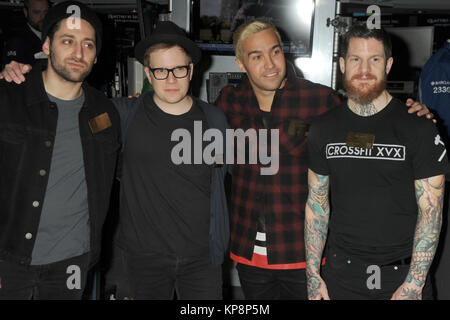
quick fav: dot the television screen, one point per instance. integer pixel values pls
(215, 21)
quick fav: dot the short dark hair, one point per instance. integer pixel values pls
(361, 31)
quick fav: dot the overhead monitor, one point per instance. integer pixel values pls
(215, 21)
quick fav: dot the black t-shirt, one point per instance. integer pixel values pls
(165, 207)
(373, 205)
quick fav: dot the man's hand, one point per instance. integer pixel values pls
(14, 71)
(408, 291)
(137, 95)
(317, 289)
(420, 108)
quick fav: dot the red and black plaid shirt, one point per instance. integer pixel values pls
(282, 196)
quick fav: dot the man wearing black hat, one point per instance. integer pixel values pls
(174, 218)
(59, 140)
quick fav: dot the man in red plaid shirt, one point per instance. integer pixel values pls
(267, 211)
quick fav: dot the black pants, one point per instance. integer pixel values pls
(267, 284)
(62, 280)
(347, 279)
(157, 277)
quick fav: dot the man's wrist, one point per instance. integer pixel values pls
(312, 272)
(416, 282)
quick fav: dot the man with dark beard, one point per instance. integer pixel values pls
(267, 212)
(59, 140)
(386, 174)
(23, 46)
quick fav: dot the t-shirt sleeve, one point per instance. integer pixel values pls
(316, 152)
(430, 158)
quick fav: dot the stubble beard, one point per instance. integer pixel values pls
(37, 25)
(63, 71)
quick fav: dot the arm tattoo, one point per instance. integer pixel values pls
(411, 294)
(316, 227)
(429, 195)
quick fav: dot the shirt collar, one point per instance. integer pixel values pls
(36, 32)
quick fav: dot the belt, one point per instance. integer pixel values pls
(398, 262)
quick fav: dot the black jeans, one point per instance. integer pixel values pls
(347, 278)
(157, 277)
(62, 280)
(267, 284)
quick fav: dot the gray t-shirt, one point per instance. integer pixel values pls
(64, 230)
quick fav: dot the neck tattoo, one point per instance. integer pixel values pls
(364, 110)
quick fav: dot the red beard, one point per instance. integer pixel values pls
(364, 93)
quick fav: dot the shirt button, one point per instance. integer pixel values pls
(48, 144)
(28, 236)
(395, 268)
(35, 204)
(42, 172)
(349, 261)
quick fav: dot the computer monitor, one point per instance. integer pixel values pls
(215, 21)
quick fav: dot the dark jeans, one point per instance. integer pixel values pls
(267, 284)
(347, 279)
(54, 281)
(158, 277)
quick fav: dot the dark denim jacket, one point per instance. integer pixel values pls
(219, 233)
(27, 132)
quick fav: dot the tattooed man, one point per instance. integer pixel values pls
(385, 170)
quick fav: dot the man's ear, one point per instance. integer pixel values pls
(342, 65)
(191, 72)
(95, 60)
(25, 12)
(389, 63)
(46, 46)
(241, 65)
(147, 73)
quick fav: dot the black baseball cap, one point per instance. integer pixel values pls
(65, 10)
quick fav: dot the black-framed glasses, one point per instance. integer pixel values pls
(178, 72)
